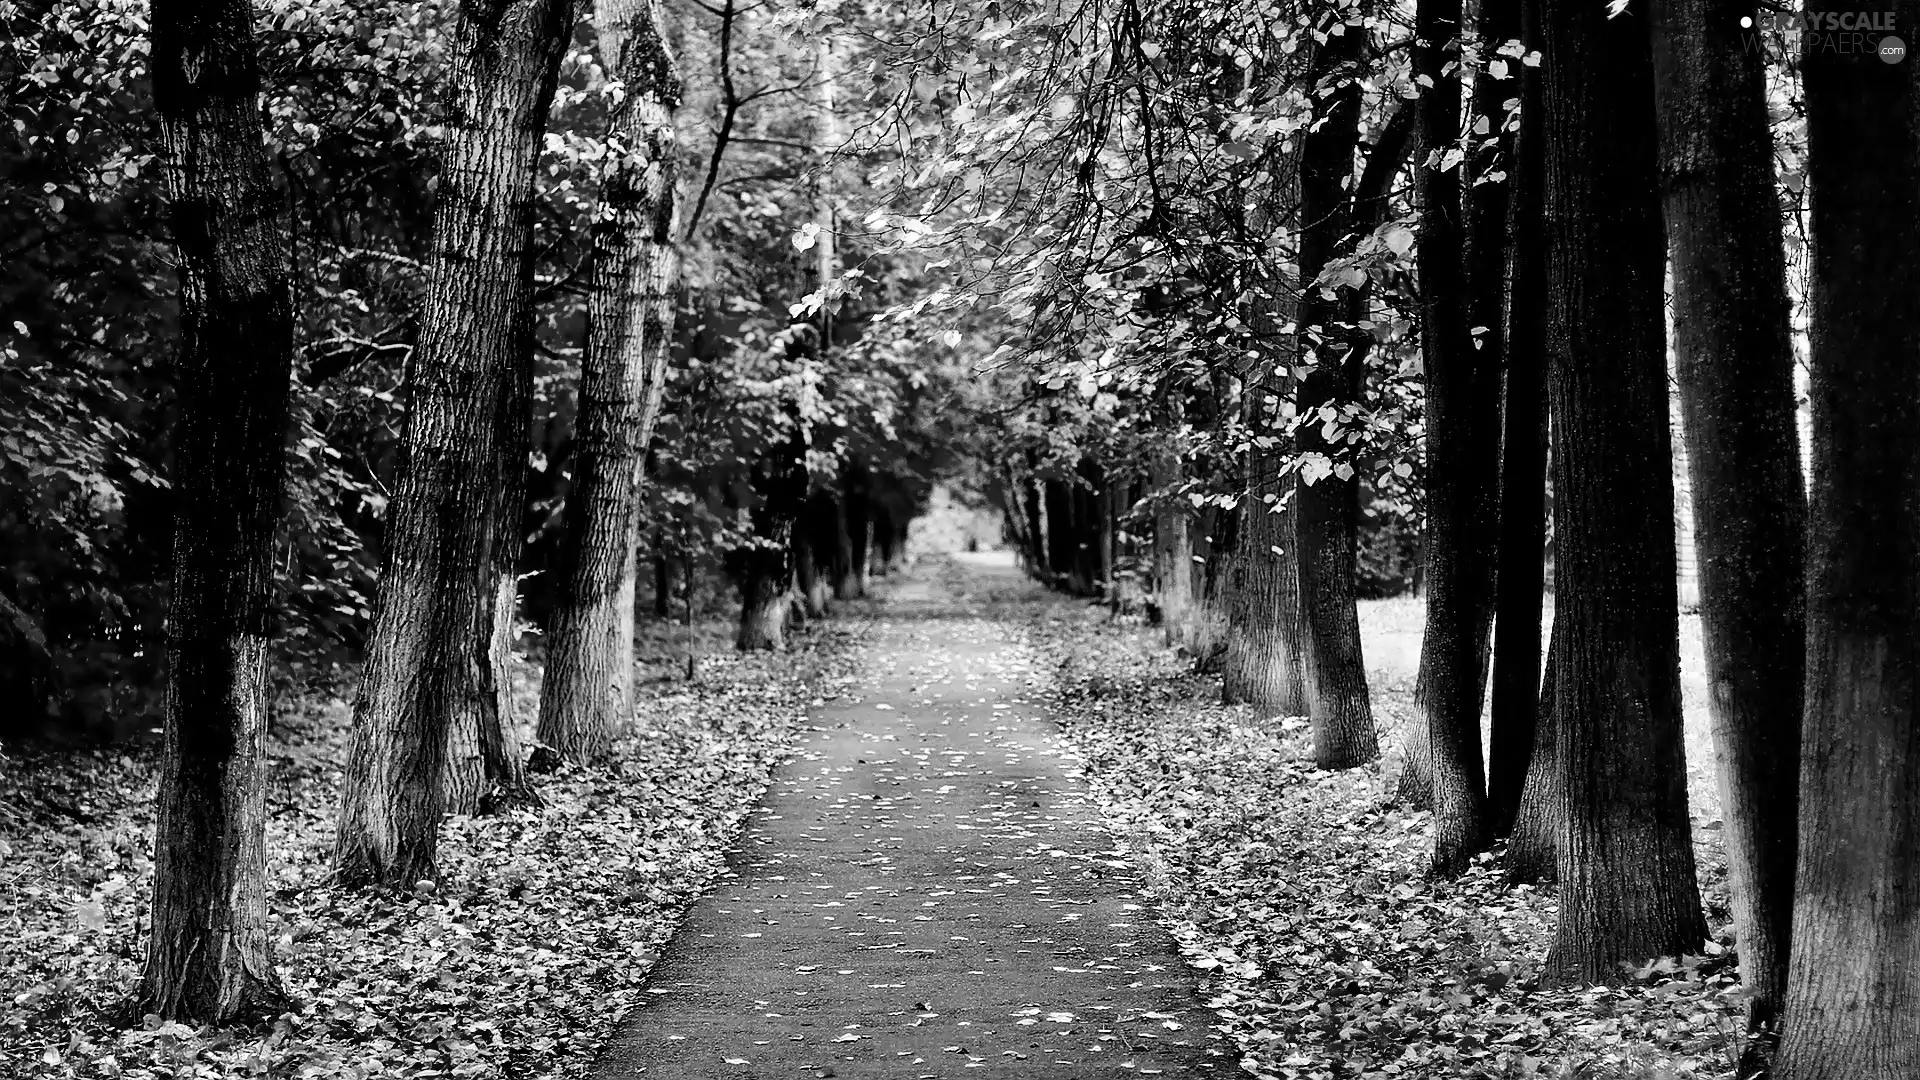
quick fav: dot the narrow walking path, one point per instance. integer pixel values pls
(925, 891)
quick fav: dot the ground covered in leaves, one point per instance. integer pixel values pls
(1301, 895)
(545, 927)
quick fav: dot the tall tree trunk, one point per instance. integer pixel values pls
(1521, 572)
(1735, 364)
(1853, 985)
(1324, 513)
(1627, 887)
(586, 698)
(209, 955)
(434, 624)
(1463, 445)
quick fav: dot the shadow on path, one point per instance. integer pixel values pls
(925, 891)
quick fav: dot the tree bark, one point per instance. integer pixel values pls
(1520, 576)
(1172, 547)
(1324, 513)
(209, 955)
(1734, 359)
(1627, 886)
(1532, 845)
(765, 572)
(434, 620)
(1463, 448)
(1853, 984)
(586, 698)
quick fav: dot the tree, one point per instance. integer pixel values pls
(1515, 694)
(1463, 433)
(1325, 505)
(1627, 887)
(428, 655)
(1853, 983)
(586, 695)
(1734, 360)
(209, 955)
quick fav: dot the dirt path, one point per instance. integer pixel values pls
(925, 891)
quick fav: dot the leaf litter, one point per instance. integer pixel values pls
(538, 937)
(1300, 896)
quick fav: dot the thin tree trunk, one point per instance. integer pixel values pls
(1463, 451)
(434, 623)
(209, 954)
(1627, 886)
(586, 698)
(1853, 985)
(662, 583)
(1324, 513)
(1734, 359)
(1521, 570)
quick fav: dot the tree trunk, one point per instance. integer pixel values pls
(1734, 359)
(765, 572)
(483, 748)
(1853, 985)
(1037, 561)
(854, 532)
(209, 956)
(1172, 547)
(1627, 887)
(813, 538)
(662, 582)
(1463, 449)
(1265, 663)
(586, 698)
(1521, 565)
(1532, 844)
(434, 622)
(1324, 512)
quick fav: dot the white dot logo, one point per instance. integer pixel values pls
(1746, 22)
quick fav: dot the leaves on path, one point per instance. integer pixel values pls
(1299, 896)
(539, 935)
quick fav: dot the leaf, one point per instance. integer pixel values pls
(1399, 239)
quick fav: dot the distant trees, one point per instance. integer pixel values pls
(429, 665)
(209, 955)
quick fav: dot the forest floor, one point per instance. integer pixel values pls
(517, 968)
(1292, 900)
